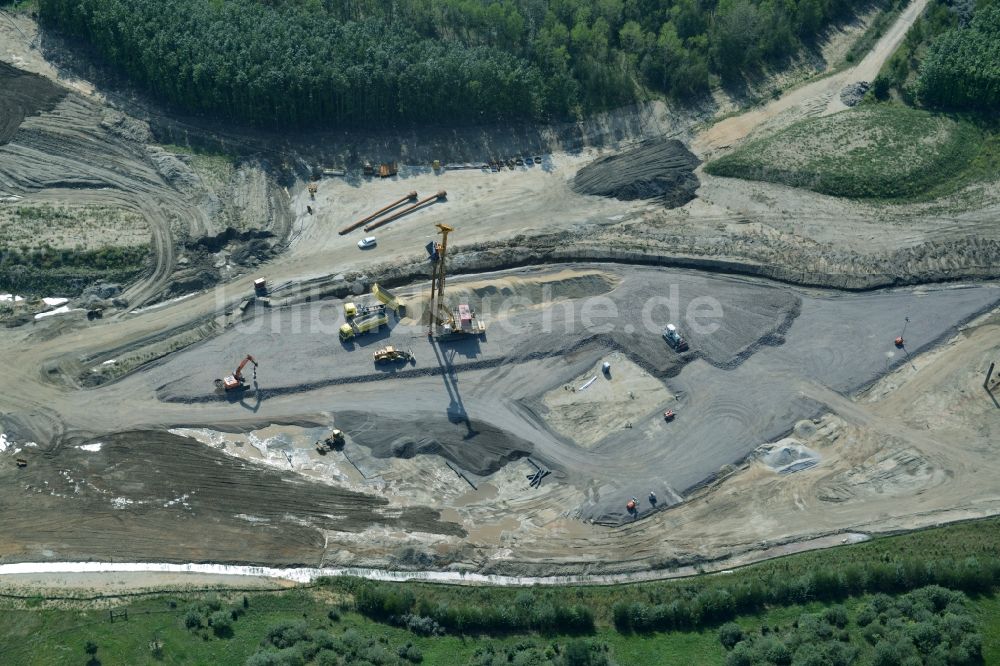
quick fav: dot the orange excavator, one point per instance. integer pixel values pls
(236, 380)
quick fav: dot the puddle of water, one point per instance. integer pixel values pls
(486, 491)
(491, 534)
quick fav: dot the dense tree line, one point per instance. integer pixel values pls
(396, 605)
(714, 605)
(962, 67)
(930, 625)
(295, 62)
(490, 611)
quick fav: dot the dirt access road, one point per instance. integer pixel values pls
(820, 97)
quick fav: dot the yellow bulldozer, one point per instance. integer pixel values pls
(390, 354)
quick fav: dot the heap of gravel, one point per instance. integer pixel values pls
(657, 169)
(852, 93)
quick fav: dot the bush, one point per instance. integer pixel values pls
(741, 655)
(730, 634)
(192, 620)
(576, 653)
(836, 615)
(287, 634)
(221, 623)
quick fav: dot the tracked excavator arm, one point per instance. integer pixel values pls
(235, 380)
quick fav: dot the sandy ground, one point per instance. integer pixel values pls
(434, 473)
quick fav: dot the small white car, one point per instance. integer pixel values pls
(366, 243)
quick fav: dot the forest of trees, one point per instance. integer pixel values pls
(365, 62)
(962, 66)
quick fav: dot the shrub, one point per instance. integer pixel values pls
(836, 615)
(192, 620)
(576, 653)
(730, 634)
(741, 655)
(222, 623)
(286, 634)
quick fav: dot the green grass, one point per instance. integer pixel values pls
(988, 611)
(881, 151)
(56, 637)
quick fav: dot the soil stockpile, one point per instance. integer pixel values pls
(24, 94)
(472, 445)
(658, 169)
(853, 93)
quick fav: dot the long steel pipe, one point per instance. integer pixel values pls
(381, 211)
(395, 216)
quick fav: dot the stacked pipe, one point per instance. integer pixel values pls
(395, 216)
(381, 211)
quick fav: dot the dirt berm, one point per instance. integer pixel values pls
(24, 94)
(658, 169)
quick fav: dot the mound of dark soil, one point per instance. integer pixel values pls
(658, 169)
(24, 94)
(472, 445)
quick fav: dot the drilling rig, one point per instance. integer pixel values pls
(445, 323)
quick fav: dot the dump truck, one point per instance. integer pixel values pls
(352, 309)
(674, 338)
(390, 300)
(363, 323)
(390, 354)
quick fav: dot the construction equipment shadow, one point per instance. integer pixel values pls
(456, 408)
(367, 339)
(467, 347)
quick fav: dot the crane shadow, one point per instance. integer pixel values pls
(992, 397)
(456, 408)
